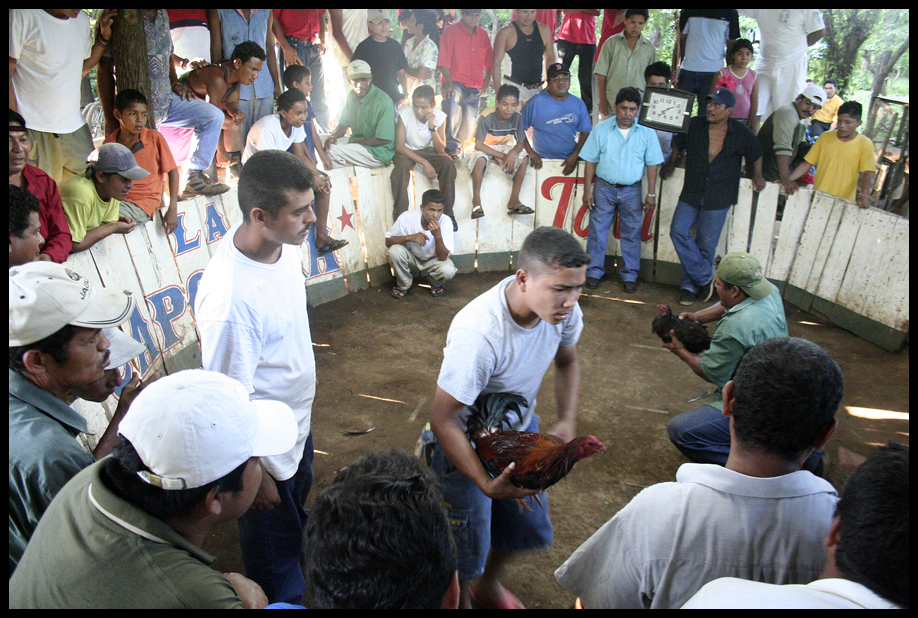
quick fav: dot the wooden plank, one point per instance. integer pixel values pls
(738, 237)
(824, 248)
(374, 211)
(216, 215)
(495, 229)
(667, 267)
(793, 220)
(813, 231)
(863, 279)
(342, 224)
(837, 261)
(890, 296)
(763, 225)
(466, 238)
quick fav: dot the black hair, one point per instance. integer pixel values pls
(658, 69)
(787, 391)
(379, 538)
(425, 92)
(644, 12)
(629, 94)
(739, 44)
(16, 118)
(852, 108)
(873, 514)
(832, 81)
(295, 73)
(22, 204)
(127, 97)
(428, 19)
(507, 91)
(290, 97)
(57, 345)
(551, 247)
(267, 177)
(119, 474)
(433, 195)
(246, 50)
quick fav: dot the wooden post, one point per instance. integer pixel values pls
(129, 49)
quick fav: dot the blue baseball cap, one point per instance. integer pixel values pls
(723, 96)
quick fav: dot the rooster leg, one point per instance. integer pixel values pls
(525, 504)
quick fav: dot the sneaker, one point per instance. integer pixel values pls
(630, 286)
(706, 291)
(199, 184)
(592, 283)
(687, 297)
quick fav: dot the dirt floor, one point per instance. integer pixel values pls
(378, 360)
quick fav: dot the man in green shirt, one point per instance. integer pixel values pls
(370, 115)
(750, 311)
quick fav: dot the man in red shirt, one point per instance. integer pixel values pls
(301, 36)
(465, 59)
(577, 39)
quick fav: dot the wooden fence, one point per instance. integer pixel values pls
(848, 265)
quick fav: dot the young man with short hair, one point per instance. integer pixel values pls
(252, 316)
(530, 46)
(622, 59)
(25, 227)
(504, 341)
(422, 240)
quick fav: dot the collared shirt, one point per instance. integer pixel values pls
(152, 154)
(742, 327)
(618, 160)
(44, 455)
(371, 116)
(622, 66)
(673, 538)
(54, 228)
(466, 54)
(714, 185)
(94, 549)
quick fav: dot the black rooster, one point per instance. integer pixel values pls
(694, 336)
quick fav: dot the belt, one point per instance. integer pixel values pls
(617, 186)
(538, 84)
(293, 39)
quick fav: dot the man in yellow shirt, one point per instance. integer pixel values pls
(825, 119)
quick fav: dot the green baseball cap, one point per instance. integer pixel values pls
(741, 269)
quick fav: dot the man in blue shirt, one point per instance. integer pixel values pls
(556, 117)
(618, 150)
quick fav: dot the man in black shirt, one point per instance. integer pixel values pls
(715, 145)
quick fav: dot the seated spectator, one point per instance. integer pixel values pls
(56, 347)
(25, 227)
(843, 158)
(173, 104)
(156, 499)
(761, 517)
(383, 54)
(422, 240)
(826, 118)
(659, 75)
(300, 77)
(301, 36)
(54, 230)
(560, 121)
(92, 202)
(784, 133)
(369, 115)
(378, 537)
(867, 562)
(420, 139)
(500, 139)
(152, 154)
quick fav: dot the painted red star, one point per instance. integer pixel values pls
(345, 219)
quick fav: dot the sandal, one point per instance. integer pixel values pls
(333, 246)
(399, 293)
(477, 211)
(437, 290)
(520, 209)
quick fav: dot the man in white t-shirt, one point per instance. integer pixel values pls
(50, 52)
(422, 240)
(782, 64)
(251, 314)
(420, 139)
(503, 342)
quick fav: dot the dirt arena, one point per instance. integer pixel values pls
(378, 359)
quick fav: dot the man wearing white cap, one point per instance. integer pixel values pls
(128, 530)
(56, 347)
(369, 114)
(784, 132)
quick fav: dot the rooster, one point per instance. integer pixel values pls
(541, 460)
(694, 336)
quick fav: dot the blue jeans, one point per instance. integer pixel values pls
(311, 58)
(698, 83)
(627, 200)
(272, 541)
(696, 254)
(479, 523)
(461, 109)
(205, 119)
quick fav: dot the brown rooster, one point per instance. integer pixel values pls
(541, 460)
(694, 336)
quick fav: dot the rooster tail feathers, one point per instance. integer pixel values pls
(491, 410)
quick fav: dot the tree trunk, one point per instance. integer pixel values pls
(846, 31)
(129, 49)
(879, 79)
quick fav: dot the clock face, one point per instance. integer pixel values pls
(666, 109)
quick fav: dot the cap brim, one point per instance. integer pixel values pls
(760, 290)
(108, 309)
(135, 173)
(122, 348)
(277, 429)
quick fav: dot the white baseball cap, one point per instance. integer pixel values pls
(194, 427)
(45, 297)
(122, 349)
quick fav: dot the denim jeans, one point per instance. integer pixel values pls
(698, 83)
(696, 254)
(311, 58)
(607, 199)
(461, 109)
(205, 119)
(272, 541)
